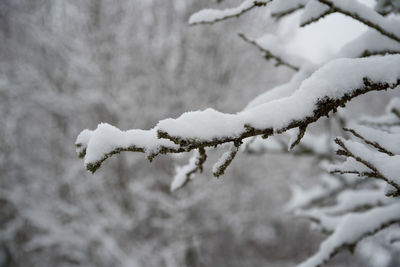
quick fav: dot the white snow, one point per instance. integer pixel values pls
(106, 138)
(227, 156)
(335, 79)
(388, 166)
(212, 15)
(312, 10)
(371, 41)
(352, 199)
(368, 14)
(351, 228)
(285, 89)
(388, 141)
(181, 177)
(303, 197)
(282, 6)
(273, 44)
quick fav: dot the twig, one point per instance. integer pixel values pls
(374, 144)
(363, 20)
(267, 54)
(375, 172)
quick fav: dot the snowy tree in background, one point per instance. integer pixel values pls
(359, 196)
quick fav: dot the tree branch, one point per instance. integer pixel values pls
(211, 16)
(375, 172)
(268, 54)
(374, 144)
(284, 13)
(185, 174)
(363, 19)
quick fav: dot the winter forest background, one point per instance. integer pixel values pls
(69, 65)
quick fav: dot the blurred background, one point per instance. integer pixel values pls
(69, 65)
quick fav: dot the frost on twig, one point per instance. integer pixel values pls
(226, 159)
(210, 16)
(185, 173)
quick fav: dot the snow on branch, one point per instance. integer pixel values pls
(282, 8)
(382, 141)
(356, 200)
(185, 173)
(368, 16)
(380, 165)
(210, 16)
(106, 140)
(370, 43)
(331, 186)
(226, 159)
(351, 229)
(269, 46)
(328, 88)
(314, 11)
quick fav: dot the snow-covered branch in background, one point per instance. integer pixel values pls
(314, 11)
(269, 45)
(352, 228)
(210, 16)
(362, 13)
(361, 206)
(283, 8)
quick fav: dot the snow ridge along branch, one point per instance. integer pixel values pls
(330, 87)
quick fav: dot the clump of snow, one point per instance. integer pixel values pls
(107, 138)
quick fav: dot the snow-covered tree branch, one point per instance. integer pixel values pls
(369, 63)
